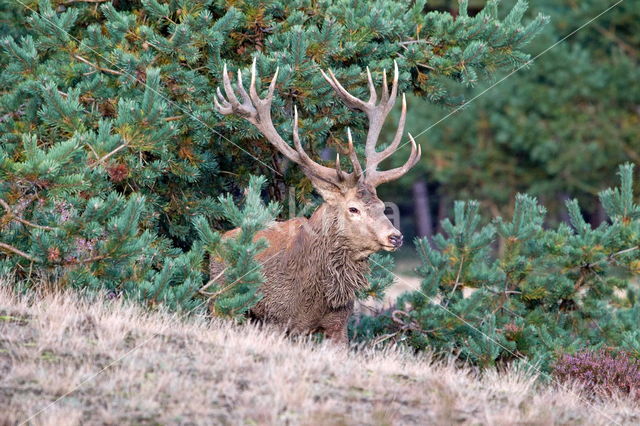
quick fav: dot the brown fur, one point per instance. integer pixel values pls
(314, 267)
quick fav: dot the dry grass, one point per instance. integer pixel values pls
(164, 370)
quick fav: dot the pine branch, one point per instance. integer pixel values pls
(614, 38)
(106, 156)
(457, 283)
(211, 281)
(608, 259)
(85, 1)
(403, 327)
(223, 290)
(12, 215)
(19, 112)
(91, 259)
(14, 250)
(422, 41)
(91, 64)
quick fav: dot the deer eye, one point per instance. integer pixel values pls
(353, 210)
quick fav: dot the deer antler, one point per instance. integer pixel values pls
(377, 115)
(258, 112)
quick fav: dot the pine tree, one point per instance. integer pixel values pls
(112, 156)
(554, 129)
(550, 291)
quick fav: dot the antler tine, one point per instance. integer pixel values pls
(385, 87)
(231, 96)
(376, 178)
(339, 171)
(375, 113)
(222, 106)
(272, 85)
(373, 97)
(252, 86)
(243, 92)
(357, 168)
(394, 84)
(390, 98)
(296, 139)
(386, 104)
(347, 97)
(219, 96)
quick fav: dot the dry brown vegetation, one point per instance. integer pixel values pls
(159, 368)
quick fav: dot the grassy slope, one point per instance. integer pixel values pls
(166, 370)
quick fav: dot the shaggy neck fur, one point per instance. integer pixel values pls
(340, 271)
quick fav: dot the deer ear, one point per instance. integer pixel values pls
(329, 191)
(330, 196)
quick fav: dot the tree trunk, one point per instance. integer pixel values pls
(598, 216)
(564, 213)
(422, 209)
(443, 211)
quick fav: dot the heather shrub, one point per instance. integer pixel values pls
(601, 373)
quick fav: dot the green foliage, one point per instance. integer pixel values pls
(111, 153)
(543, 293)
(380, 276)
(238, 292)
(554, 129)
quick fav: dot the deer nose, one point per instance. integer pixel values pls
(395, 240)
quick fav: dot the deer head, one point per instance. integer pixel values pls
(350, 198)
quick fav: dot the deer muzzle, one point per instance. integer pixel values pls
(395, 240)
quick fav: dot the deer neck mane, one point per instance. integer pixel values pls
(343, 271)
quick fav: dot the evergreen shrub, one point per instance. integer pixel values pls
(112, 157)
(543, 293)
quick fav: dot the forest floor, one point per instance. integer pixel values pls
(67, 361)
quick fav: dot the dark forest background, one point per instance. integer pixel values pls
(555, 129)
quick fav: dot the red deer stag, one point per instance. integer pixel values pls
(314, 267)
